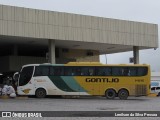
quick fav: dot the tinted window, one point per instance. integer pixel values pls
(132, 71)
(57, 71)
(142, 71)
(129, 71)
(97, 71)
(25, 75)
(78, 71)
(117, 71)
(41, 71)
(69, 71)
(87, 71)
(103, 71)
(125, 71)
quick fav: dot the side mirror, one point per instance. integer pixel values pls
(16, 76)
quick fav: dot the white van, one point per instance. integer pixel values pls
(155, 87)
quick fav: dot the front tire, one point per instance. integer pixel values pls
(123, 94)
(40, 93)
(110, 94)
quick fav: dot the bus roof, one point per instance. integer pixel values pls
(101, 64)
(84, 64)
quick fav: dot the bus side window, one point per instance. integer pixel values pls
(116, 71)
(52, 71)
(108, 71)
(120, 71)
(125, 71)
(91, 71)
(142, 71)
(99, 71)
(103, 71)
(132, 71)
(41, 71)
(45, 71)
(84, 71)
(69, 71)
(87, 71)
(58, 71)
(77, 71)
(37, 71)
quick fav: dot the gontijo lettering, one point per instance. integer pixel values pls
(111, 80)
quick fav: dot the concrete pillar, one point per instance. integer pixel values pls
(106, 58)
(51, 53)
(136, 54)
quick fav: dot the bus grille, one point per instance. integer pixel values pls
(141, 90)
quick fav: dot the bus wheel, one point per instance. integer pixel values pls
(123, 94)
(110, 94)
(40, 93)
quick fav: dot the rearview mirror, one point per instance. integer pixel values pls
(16, 76)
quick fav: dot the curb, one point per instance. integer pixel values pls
(4, 97)
(18, 97)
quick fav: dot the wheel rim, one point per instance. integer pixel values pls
(123, 94)
(41, 93)
(110, 94)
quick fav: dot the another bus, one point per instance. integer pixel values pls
(84, 78)
(155, 87)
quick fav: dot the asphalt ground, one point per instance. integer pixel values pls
(81, 105)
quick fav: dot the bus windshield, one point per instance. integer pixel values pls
(25, 75)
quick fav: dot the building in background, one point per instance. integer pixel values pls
(38, 36)
(155, 76)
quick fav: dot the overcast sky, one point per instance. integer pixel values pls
(135, 10)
